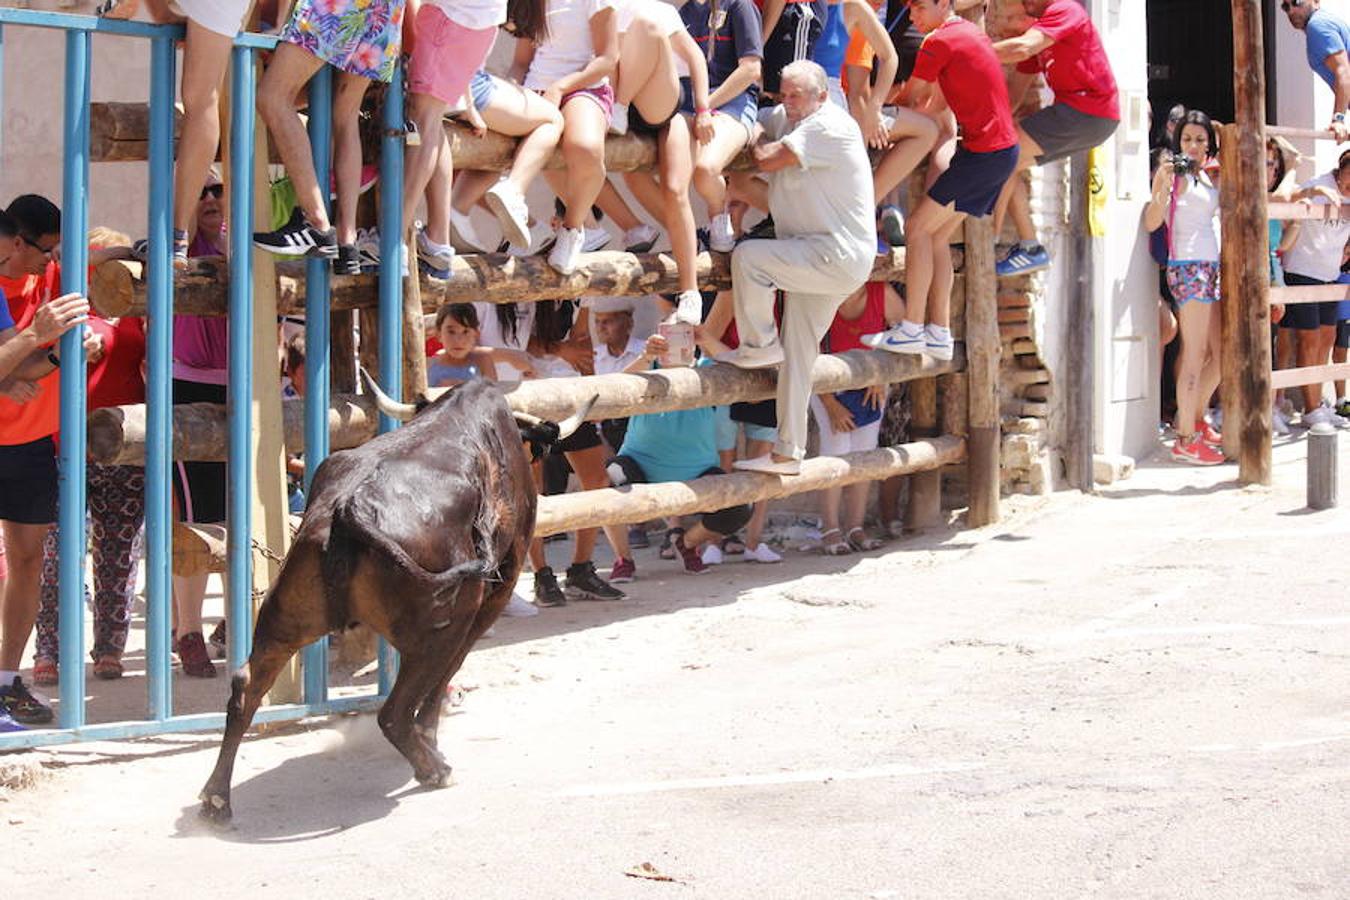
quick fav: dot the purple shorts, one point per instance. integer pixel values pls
(602, 96)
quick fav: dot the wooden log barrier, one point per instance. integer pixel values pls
(983, 350)
(116, 288)
(201, 549)
(117, 434)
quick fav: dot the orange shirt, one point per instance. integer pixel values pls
(859, 52)
(23, 423)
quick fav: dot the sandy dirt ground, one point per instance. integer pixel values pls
(1136, 694)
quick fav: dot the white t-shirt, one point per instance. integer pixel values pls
(1194, 225)
(1317, 250)
(569, 47)
(224, 17)
(829, 192)
(473, 14)
(607, 363)
(491, 333)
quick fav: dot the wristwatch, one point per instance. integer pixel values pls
(1339, 117)
(53, 359)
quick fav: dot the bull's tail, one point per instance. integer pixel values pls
(348, 533)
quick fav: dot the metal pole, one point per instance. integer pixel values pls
(391, 286)
(317, 327)
(159, 412)
(74, 279)
(239, 566)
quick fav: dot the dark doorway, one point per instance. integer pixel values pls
(1190, 56)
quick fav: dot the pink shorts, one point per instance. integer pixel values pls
(602, 96)
(446, 55)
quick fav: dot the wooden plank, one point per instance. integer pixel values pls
(1287, 378)
(982, 352)
(1311, 293)
(117, 433)
(117, 290)
(1317, 134)
(1288, 212)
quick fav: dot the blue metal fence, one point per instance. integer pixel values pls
(79, 34)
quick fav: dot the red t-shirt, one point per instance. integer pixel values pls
(960, 58)
(116, 380)
(1075, 65)
(23, 423)
(846, 334)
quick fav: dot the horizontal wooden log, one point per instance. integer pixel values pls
(117, 434)
(1013, 316)
(1292, 212)
(641, 502)
(1288, 131)
(1032, 409)
(1311, 293)
(117, 289)
(1287, 378)
(1026, 376)
(201, 549)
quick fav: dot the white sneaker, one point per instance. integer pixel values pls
(935, 346)
(768, 465)
(897, 340)
(463, 236)
(618, 119)
(688, 309)
(1279, 424)
(566, 253)
(762, 554)
(596, 239)
(1320, 416)
(541, 238)
(747, 357)
(640, 238)
(511, 210)
(437, 258)
(368, 248)
(519, 608)
(712, 555)
(721, 237)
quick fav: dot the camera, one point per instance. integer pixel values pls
(1184, 165)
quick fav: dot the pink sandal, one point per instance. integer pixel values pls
(45, 673)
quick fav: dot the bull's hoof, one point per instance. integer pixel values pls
(215, 809)
(436, 777)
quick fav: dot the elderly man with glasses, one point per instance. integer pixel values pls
(1328, 42)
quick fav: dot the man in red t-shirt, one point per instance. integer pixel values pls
(956, 69)
(30, 231)
(1062, 43)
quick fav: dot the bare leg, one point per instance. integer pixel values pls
(925, 231)
(1194, 320)
(428, 160)
(590, 468)
(940, 294)
(710, 159)
(347, 151)
(914, 136)
(583, 146)
(1307, 355)
(1028, 151)
(286, 74)
(676, 170)
(206, 56)
(23, 553)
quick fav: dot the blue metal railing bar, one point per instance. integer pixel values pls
(158, 397)
(71, 465)
(315, 666)
(239, 553)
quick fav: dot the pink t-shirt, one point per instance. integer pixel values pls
(201, 343)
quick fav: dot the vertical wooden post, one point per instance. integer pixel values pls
(1245, 276)
(982, 361)
(414, 334)
(1081, 328)
(342, 366)
(368, 322)
(925, 488)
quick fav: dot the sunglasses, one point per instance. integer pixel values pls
(215, 190)
(1290, 4)
(45, 251)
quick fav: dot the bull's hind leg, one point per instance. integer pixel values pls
(419, 673)
(459, 633)
(250, 683)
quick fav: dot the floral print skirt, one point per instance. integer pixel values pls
(359, 37)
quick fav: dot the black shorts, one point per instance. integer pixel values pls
(793, 38)
(639, 125)
(1343, 334)
(584, 438)
(974, 180)
(1309, 316)
(28, 482)
(199, 487)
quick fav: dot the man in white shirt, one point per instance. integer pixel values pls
(820, 196)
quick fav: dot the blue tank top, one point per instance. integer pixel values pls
(833, 41)
(440, 375)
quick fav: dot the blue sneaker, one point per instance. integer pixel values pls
(7, 723)
(883, 248)
(897, 340)
(892, 223)
(1023, 260)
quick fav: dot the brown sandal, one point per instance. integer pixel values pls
(192, 654)
(108, 667)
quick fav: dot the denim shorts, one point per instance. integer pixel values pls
(727, 430)
(744, 107)
(481, 88)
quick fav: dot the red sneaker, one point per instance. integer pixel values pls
(1194, 451)
(1208, 434)
(622, 571)
(693, 562)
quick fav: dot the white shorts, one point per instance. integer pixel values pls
(837, 443)
(221, 16)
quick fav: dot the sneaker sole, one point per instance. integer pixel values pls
(643, 247)
(510, 230)
(1025, 270)
(580, 594)
(892, 230)
(911, 350)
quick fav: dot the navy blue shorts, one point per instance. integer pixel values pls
(974, 180)
(1310, 316)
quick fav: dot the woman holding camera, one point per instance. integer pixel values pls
(1186, 199)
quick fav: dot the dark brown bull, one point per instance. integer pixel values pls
(420, 534)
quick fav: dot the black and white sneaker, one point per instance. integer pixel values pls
(582, 583)
(298, 238)
(547, 593)
(347, 261)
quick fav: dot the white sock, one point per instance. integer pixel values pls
(940, 332)
(7, 677)
(1032, 244)
(910, 329)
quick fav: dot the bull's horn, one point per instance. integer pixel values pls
(573, 422)
(387, 405)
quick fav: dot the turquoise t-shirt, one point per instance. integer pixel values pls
(673, 446)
